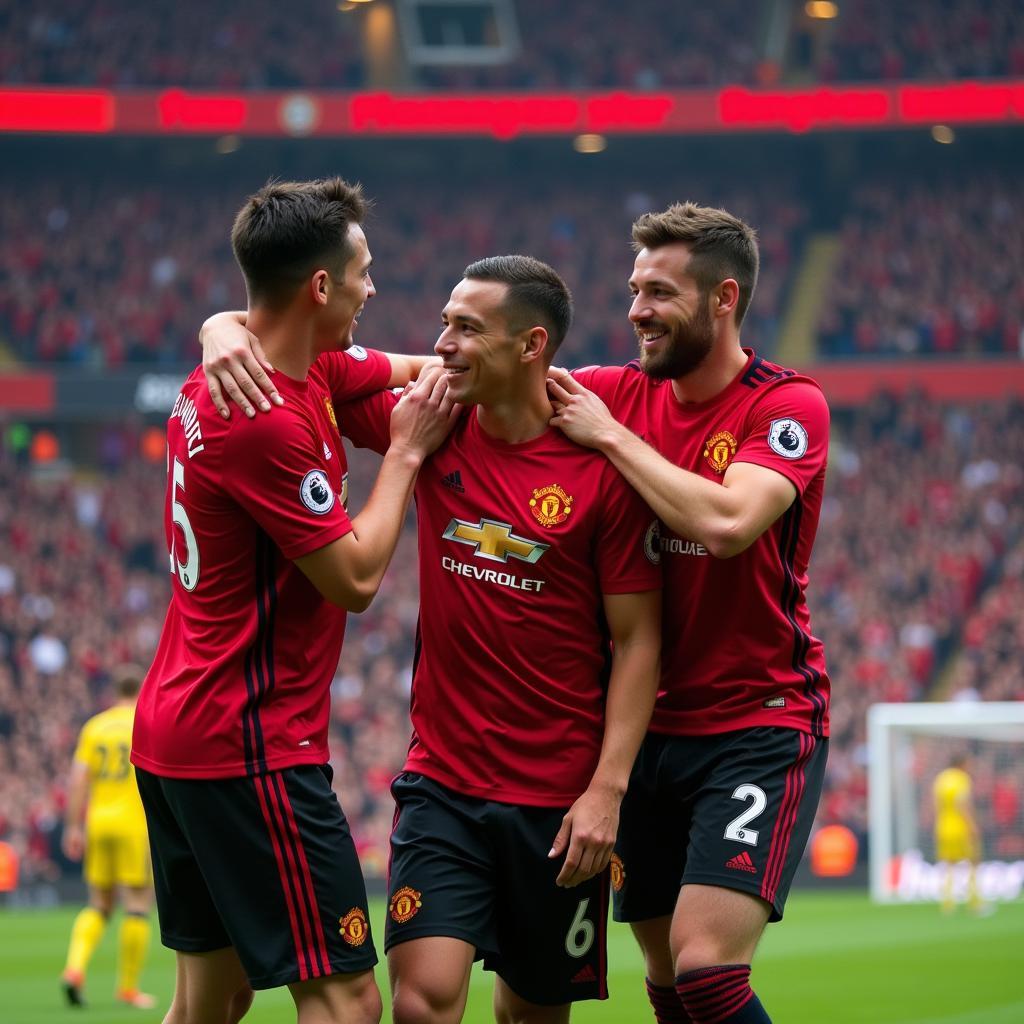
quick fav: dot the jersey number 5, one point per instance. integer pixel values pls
(188, 571)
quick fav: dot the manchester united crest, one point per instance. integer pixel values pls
(719, 450)
(618, 873)
(354, 928)
(550, 505)
(328, 405)
(404, 904)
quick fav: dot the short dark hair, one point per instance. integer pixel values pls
(721, 246)
(536, 294)
(289, 229)
(127, 680)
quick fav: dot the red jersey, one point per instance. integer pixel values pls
(738, 649)
(240, 683)
(517, 543)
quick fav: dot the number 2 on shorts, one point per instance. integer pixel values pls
(736, 829)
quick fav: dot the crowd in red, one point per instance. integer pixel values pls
(923, 520)
(929, 270)
(932, 40)
(312, 44)
(924, 507)
(92, 275)
(214, 45)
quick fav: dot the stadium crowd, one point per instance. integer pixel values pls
(923, 505)
(311, 44)
(92, 275)
(923, 519)
(928, 270)
(98, 276)
(933, 40)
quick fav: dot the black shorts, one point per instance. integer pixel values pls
(732, 810)
(265, 864)
(478, 870)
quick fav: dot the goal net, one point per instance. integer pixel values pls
(908, 745)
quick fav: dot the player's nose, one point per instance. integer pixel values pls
(639, 309)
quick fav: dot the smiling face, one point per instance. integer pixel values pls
(348, 294)
(671, 316)
(481, 355)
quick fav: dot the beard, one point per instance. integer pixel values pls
(686, 347)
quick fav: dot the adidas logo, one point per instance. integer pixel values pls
(584, 974)
(742, 862)
(453, 481)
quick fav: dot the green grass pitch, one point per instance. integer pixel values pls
(836, 958)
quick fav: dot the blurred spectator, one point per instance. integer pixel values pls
(217, 44)
(311, 44)
(911, 536)
(929, 270)
(97, 276)
(920, 39)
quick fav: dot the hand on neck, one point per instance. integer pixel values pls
(288, 339)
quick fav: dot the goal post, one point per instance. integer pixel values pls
(908, 744)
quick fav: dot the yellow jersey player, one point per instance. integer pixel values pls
(956, 831)
(114, 844)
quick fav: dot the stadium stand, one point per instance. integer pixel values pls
(92, 275)
(220, 45)
(922, 505)
(311, 44)
(928, 270)
(873, 40)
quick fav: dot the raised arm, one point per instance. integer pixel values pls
(405, 368)
(589, 828)
(726, 518)
(236, 368)
(349, 570)
(235, 365)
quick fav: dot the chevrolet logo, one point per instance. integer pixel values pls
(495, 541)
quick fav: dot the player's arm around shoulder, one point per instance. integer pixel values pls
(407, 368)
(349, 570)
(784, 450)
(237, 370)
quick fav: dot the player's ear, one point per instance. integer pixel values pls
(535, 343)
(319, 287)
(725, 297)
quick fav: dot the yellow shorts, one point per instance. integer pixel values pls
(117, 858)
(955, 844)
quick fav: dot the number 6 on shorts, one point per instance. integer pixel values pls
(580, 936)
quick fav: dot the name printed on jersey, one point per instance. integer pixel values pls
(185, 410)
